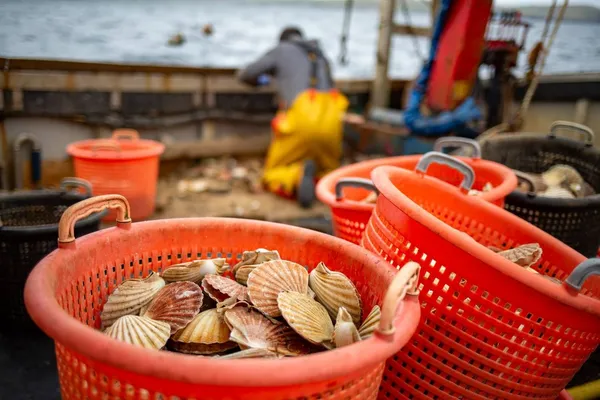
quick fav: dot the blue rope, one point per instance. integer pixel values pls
(447, 121)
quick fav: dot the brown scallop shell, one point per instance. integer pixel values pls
(273, 277)
(220, 288)
(194, 271)
(370, 323)
(307, 317)
(524, 255)
(256, 257)
(176, 304)
(140, 331)
(251, 329)
(242, 273)
(344, 332)
(334, 290)
(129, 297)
(206, 334)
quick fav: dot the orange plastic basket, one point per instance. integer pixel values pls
(125, 164)
(66, 291)
(350, 215)
(489, 328)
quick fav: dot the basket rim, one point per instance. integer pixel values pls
(381, 178)
(47, 228)
(326, 186)
(55, 322)
(151, 148)
(533, 199)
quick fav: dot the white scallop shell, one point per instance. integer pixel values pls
(334, 290)
(140, 331)
(307, 317)
(129, 297)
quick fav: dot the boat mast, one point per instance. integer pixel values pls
(380, 91)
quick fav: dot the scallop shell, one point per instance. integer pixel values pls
(129, 297)
(194, 271)
(176, 304)
(307, 317)
(530, 182)
(207, 333)
(242, 273)
(220, 288)
(250, 353)
(256, 257)
(251, 329)
(370, 323)
(487, 187)
(557, 192)
(495, 249)
(273, 277)
(524, 255)
(140, 331)
(371, 198)
(335, 290)
(561, 173)
(344, 332)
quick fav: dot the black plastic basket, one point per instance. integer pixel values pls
(575, 222)
(28, 229)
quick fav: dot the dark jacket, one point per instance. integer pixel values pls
(289, 63)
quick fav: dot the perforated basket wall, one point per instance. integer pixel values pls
(489, 329)
(79, 279)
(28, 233)
(576, 222)
(350, 215)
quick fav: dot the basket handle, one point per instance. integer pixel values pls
(586, 131)
(353, 182)
(107, 144)
(66, 226)
(405, 283)
(77, 183)
(130, 134)
(450, 141)
(445, 159)
(577, 277)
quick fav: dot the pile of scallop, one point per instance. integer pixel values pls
(272, 308)
(560, 181)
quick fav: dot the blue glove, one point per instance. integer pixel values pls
(263, 80)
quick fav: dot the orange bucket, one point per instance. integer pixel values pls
(66, 291)
(124, 164)
(489, 328)
(341, 189)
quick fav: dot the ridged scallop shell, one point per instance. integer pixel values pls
(307, 317)
(250, 353)
(344, 331)
(524, 255)
(207, 333)
(194, 271)
(335, 290)
(176, 304)
(129, 297)
(256, 257)
(273, 277)
(220, 288)
(557, 192)
(561, 173)
(251, 329)
(371, 198)
(370, 323)
(242, 273)
(140, 331)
